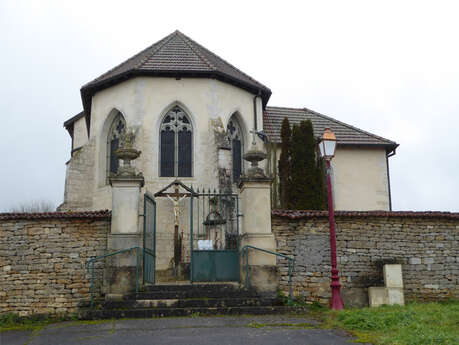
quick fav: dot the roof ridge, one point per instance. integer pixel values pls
(189, 42)
(273, 106)
(349, 126)
(160, 44)
(220, 58)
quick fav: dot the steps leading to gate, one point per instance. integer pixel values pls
(188, 299)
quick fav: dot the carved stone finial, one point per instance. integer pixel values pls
(127, 153)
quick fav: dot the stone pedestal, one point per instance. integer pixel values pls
(120, 272)
(257, 232)
(392, 292)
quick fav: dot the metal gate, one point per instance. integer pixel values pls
(149, 238)
(215, 252)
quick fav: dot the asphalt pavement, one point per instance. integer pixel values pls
(224, 330)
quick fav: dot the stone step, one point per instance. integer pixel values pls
(223, 287)
(199, 311)
(192, 293)
(190, 303)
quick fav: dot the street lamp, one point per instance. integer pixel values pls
(327, 145)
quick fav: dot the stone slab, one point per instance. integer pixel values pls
(393, 276)
(377, 296)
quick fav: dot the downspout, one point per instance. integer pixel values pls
(389, 154)
(255, 124)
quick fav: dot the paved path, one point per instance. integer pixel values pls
(244, 330)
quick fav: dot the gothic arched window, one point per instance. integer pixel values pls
(117, 128)
(237, 146)
(176, 140)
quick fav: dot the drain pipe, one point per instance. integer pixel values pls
(389, 154)
(255, 124)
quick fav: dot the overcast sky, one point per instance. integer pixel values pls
(388, 67)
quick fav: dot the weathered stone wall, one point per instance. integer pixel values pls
(43, 258)
(426, 244)
(79, 179)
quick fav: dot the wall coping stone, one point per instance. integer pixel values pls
(102, 214)
(303, 214)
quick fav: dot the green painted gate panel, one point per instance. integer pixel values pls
(149, 239)
(215, 265)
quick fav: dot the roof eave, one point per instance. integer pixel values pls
(89, 90)
(388, 146)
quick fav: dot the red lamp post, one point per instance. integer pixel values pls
(327, 147)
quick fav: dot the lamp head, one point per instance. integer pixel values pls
(327, 144)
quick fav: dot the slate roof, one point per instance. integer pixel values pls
(176, 55)
(295, 214)
(345, 134)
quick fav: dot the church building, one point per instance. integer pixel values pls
(191, 117)
(184, 101)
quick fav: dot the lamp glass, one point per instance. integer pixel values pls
(322, 148)
(329, 147)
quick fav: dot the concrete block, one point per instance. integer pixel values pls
(377, 296)
(393, 276)
(382, 295)
(395, 296)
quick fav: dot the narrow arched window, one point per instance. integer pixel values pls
(237, 146)
(117, 128)
(176, 140)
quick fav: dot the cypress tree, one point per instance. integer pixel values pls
(284, 164)
(306, 192)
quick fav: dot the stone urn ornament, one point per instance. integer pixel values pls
(254, 155)
(127, 153)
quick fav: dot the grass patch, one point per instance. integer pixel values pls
(413, 324)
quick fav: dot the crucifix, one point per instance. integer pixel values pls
(176, 201)
(176, 197)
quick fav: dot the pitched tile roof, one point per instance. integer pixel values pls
(176, 55)
(104, 214)
(294, 214)
(345, 134)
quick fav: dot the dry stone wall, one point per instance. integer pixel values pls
(426, 244)
(43, 258)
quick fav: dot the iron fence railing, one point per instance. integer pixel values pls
(291, 267)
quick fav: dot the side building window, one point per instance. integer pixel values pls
(176, 144)
(237, 147)
(117, 128)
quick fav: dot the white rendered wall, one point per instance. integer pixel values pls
(143, 101)
(360, 180)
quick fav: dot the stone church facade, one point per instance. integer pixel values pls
(193, 116)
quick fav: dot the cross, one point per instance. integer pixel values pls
(175, 198)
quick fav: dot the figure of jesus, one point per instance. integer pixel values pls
(176, 208)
